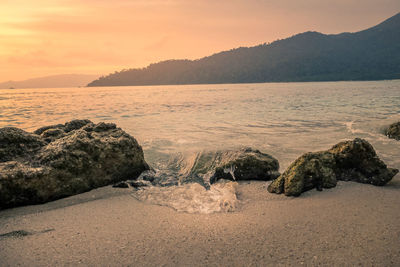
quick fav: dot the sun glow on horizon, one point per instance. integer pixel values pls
(40, 38)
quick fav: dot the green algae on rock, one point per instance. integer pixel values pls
(64, 160)
(348, 161)
(312, 170)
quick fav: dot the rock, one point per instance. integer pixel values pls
(163, 178)
(50, 135)
(78, 124)
(393, 131)
(357, 161)
(149, 178)
(44, 128)
(206, 168)
(348, 161)
(246, 164)
(137, 184)
(64, 160)
(312, 170)
(15, 143)
(121, 185)
(59, 130)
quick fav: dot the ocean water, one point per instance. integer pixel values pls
(284, 120)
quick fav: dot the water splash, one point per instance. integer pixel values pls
(192, 198)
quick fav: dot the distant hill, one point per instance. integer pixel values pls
(64, 80)
(372, 54)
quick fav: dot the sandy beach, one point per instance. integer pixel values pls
(352, 224)
(200, 133)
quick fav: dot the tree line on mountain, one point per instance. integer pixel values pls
(372, 54)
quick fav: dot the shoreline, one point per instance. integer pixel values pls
(348, 225)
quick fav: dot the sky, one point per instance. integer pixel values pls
(49, 37)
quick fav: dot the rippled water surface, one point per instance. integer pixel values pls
(282, 119)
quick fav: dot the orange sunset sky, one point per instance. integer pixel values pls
(48, 37)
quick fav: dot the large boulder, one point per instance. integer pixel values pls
(63, 160)
(245, 164)
(311, 170)
(207, 167)
(393, 131)
(348, 161)
(357, 161)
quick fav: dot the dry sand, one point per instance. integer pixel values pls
(352, 224)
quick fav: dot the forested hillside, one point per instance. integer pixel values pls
(372, 54)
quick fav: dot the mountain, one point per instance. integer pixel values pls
(64, 80)
(372, 54)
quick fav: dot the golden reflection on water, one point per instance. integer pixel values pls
(283, 119)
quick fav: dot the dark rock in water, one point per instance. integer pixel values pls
(246, 164)
(137, 184)
(64, 160)
(158, 178)
(149, 178)
(121, 185)
(393, 131)
(208, 167)
(348, 161)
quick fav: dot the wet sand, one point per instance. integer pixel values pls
(352, 224)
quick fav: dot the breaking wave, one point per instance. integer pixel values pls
(192, 198)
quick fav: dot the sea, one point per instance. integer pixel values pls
(284, 120)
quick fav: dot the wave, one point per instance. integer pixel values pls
(192, 198)
(378, 134)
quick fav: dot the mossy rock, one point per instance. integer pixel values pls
(63, 160)
(348, 161)
(312, 170)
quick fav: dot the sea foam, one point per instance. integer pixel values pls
(192, 198)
